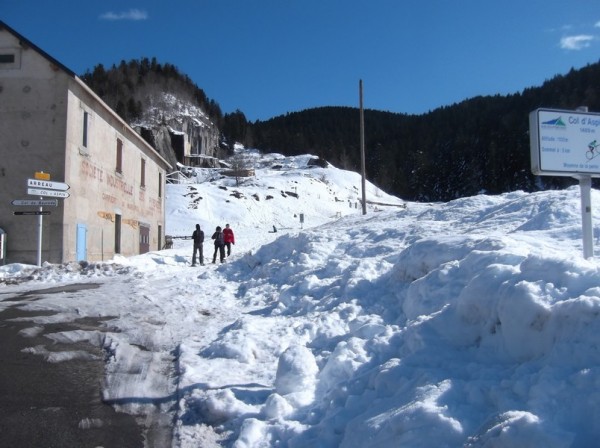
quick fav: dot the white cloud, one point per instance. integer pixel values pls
(132, 14)
(576, 42)
(597, 24)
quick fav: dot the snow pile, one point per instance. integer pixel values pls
(471, 323)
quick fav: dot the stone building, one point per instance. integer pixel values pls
(52, 123)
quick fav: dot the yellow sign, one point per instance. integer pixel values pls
(132, 222)
(107, 215)
(40, 175)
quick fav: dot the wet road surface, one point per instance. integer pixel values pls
(44, 404)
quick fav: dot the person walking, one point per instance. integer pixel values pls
(198, 237)
(229, 238)
(219, 245)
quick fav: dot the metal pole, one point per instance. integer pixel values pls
(585, 186)
(40, 225)
(362, 150)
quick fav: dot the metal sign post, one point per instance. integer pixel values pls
(41, 186)
(585, 187)
(40, 227)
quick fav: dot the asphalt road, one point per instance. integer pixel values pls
(44, 404)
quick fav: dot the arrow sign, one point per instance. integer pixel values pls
(46, 184)
(32, 213)
(36, 203)
(52, 193)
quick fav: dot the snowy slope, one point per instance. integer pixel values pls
(470, 323)
(283, 189)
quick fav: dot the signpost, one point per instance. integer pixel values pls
(41, 186)
(567, 143)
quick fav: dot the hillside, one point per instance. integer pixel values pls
(287, 193)
(131, 88)
(478, 145)
(162, 105)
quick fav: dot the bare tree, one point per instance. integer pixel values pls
(241, 166)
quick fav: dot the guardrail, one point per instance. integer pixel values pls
(169, 240)
(177, 177)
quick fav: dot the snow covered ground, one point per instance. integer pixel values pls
(473, 323)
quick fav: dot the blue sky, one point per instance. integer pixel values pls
(270, 57)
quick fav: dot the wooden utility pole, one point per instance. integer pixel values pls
(362, 149)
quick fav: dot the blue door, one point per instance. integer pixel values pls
(81, 242)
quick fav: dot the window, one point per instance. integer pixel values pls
(10, 58)
(7, 58)
(119, 167)
(160, 185)
(143, 174)
(86, 118)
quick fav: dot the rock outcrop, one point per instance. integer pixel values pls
(180, 132)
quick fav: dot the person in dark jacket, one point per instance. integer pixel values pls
(198, 237)
(219, 245)
(229, 238)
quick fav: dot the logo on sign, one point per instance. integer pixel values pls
(555, 123)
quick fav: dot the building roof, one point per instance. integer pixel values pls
(27, 43)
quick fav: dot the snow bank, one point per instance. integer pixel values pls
(472, 323)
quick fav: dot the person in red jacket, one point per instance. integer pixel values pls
(229, 238)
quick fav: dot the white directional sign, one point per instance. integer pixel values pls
(51, 193)
(47, 185)
(36, 202)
